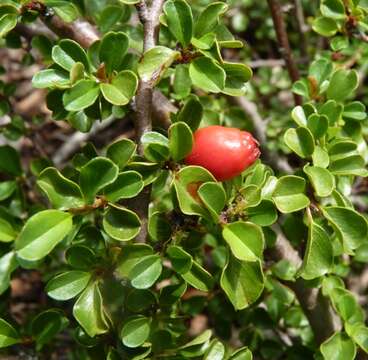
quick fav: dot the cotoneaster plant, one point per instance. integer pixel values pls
(138, 219)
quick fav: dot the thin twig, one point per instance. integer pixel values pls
(79, 30)
(150, 19)
(302, 27)
(284, 46)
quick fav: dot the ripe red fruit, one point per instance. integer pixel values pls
(225, 152)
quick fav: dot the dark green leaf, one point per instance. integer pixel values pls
(67, 285)
(120, 152)
(207, 74)
(69, 52)
(121, 89)
(89, 311)
(351, 227)
(82, 95)
(179, 20)
(242, 281)
(300, 140)
(289, 194)
(318, 258)
(121, 224)
(127, 185)
(8, 335)
(136, 331)
(145, 272)
(180, 140)
(113, 48)
(95, 175)
(62, 192)
(245, 239)
(41, 233)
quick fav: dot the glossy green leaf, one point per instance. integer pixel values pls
(181, 261)
(251, 195)
(8, 264)
(62, 192)
(69, 52)
(80, 256)
(205, 42)
(7, 23)
(245, 239)
(182, 84)
(237, 75)
(322, 180)
(7, 232)
(289, 194)
(80, 121)
(46, 325)
(154, 63)
(325, 26)
(155, 146)
(172, 293)
(95, 175)
(242, 281)
(300, 140)
(8, 335)
(64, 9)
(351, 227)
(89, 311)
(208, 18)
(207, 74)
(198, 277)
(320, 70)
(145, 272)
(121, 89)
(187, 183)
(67, 285)
(349, 165)
(299, 116)
(159, 227)
(333, 9)
(264, 214)
(121, 151)
(191, 113)
(180, 140)
(242, 354)
(127, 185)
(213, 197)
(179, 20)
(359, 334)
(355, 110)
(82, 95)
(338, 347)
(113, 48)
(130, 256)
(7, 188)
(216, 351)
(136, 331)
(318, 258)
(320, 157)
(51, 78)
(76, 73)
(41, 233)
(121, 224)
(318, 125)
(332, 110)
(342, 84)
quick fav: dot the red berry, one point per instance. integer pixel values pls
(225, 152)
